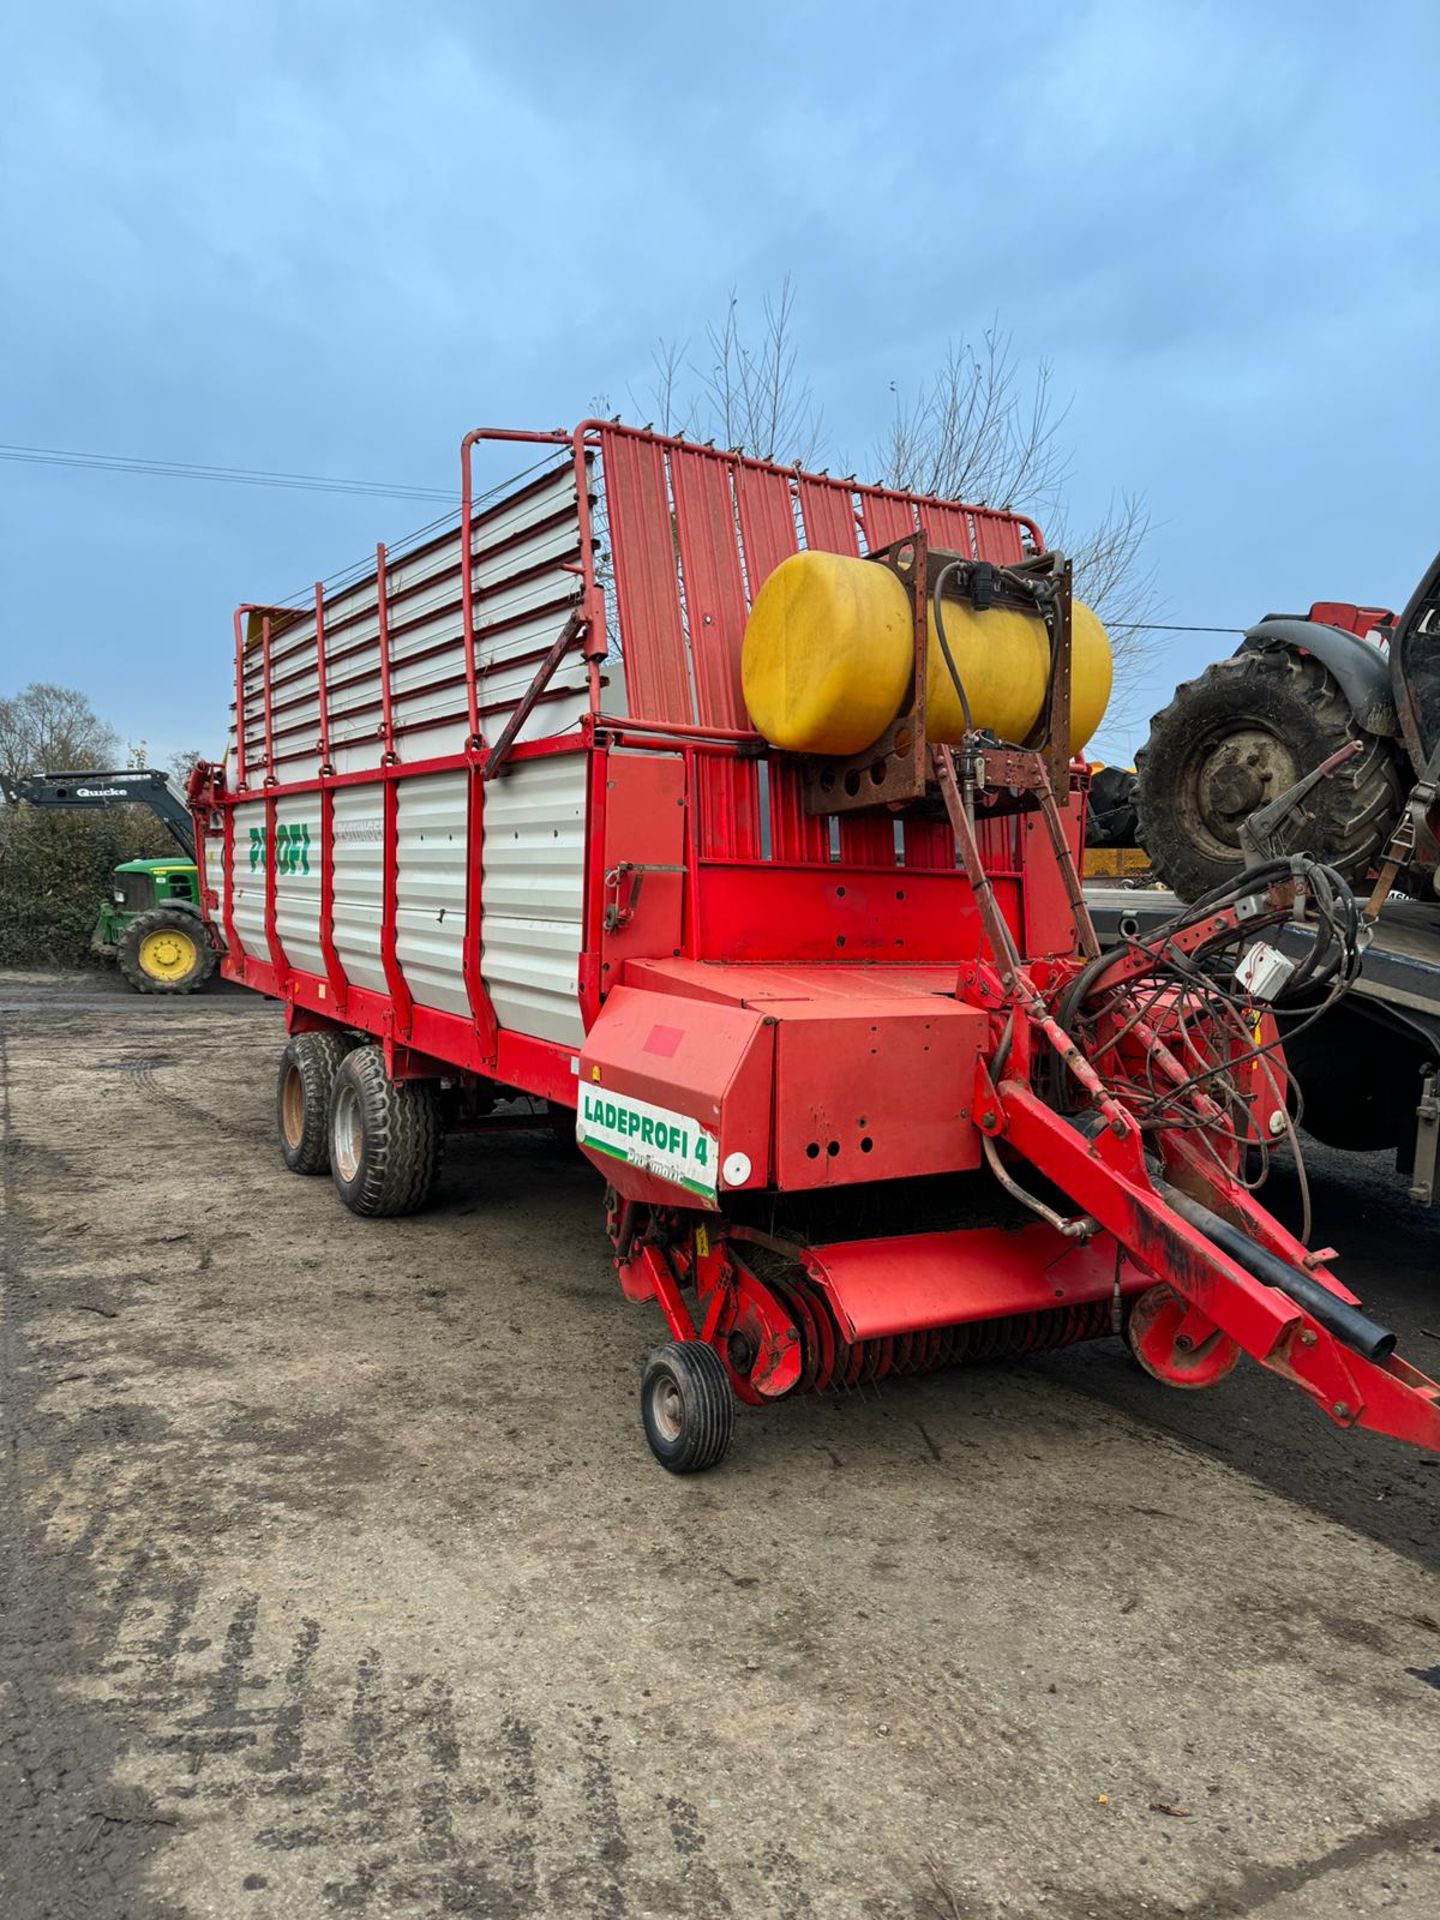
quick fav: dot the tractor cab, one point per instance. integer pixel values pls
(142, 884)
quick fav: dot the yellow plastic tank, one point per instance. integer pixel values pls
(828, 649)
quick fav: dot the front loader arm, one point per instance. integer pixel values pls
(1104, 1175)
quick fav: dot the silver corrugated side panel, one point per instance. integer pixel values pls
(249, 871)
(524, 590)
(430, 889)
(359, 884)
(297, 880)
(214, 845)
(532, 897)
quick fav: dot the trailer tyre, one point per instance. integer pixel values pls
(687, 1406)
(384, 1137)
(165, 951)
(302, 1098)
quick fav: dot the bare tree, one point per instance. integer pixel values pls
(45, 727)
(748, 392)
(979, 432)
(982, 430)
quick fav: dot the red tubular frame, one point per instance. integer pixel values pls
(382, 615)
(322, 745)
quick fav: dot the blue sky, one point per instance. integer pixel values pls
(328, 238)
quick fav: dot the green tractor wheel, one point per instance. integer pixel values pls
(165, 951)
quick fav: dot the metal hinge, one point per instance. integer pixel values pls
(620, 913)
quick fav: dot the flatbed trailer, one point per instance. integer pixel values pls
(838, 1033)
(1370, 1067)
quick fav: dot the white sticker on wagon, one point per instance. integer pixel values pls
(670, 1145)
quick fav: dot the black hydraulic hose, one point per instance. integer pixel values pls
(940, 579)
(1349, 1325)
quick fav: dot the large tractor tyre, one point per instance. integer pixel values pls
(384, 1137)
(1234, 740)
(302, 1098)
(165, 951)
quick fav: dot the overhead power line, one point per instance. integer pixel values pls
(1160, 626)
(226, 476)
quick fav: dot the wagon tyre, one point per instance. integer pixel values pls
(687, 1406)
(384, 1137)
(165, 951)
(302, 1098)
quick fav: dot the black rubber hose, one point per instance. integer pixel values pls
(940, 579)
(1349, 1325)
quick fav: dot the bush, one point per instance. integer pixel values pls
(55, 870)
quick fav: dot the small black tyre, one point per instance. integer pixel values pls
(687, 1406)
(384, 1137)
(1235, 739)
(302, 1098)
(165, 951)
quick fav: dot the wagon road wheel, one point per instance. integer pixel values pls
(384, 1137)
(687, 1406)
(302, 1098)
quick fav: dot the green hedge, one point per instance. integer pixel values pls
(55, 869)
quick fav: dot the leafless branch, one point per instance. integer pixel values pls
(979, 432)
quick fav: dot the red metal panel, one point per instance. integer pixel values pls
(767, 526)
(644, 860)
(997, 538)
(750, 986)
(647, 592)
(828, 510)
(768, 914)
(711, 1064)
(729, 790)
(929, 846)
(880, 1287)
(874, 1089)
(868, 840)
(947, 527)
(767, 521)
(885, 519)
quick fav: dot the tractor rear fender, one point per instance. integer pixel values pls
(1360, 669)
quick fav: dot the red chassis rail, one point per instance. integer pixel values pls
(836, 1023)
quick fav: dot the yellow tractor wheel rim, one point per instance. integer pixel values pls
(168, 954)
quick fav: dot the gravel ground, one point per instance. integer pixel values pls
(335, 1577)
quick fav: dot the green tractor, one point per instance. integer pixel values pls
(152, 925)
